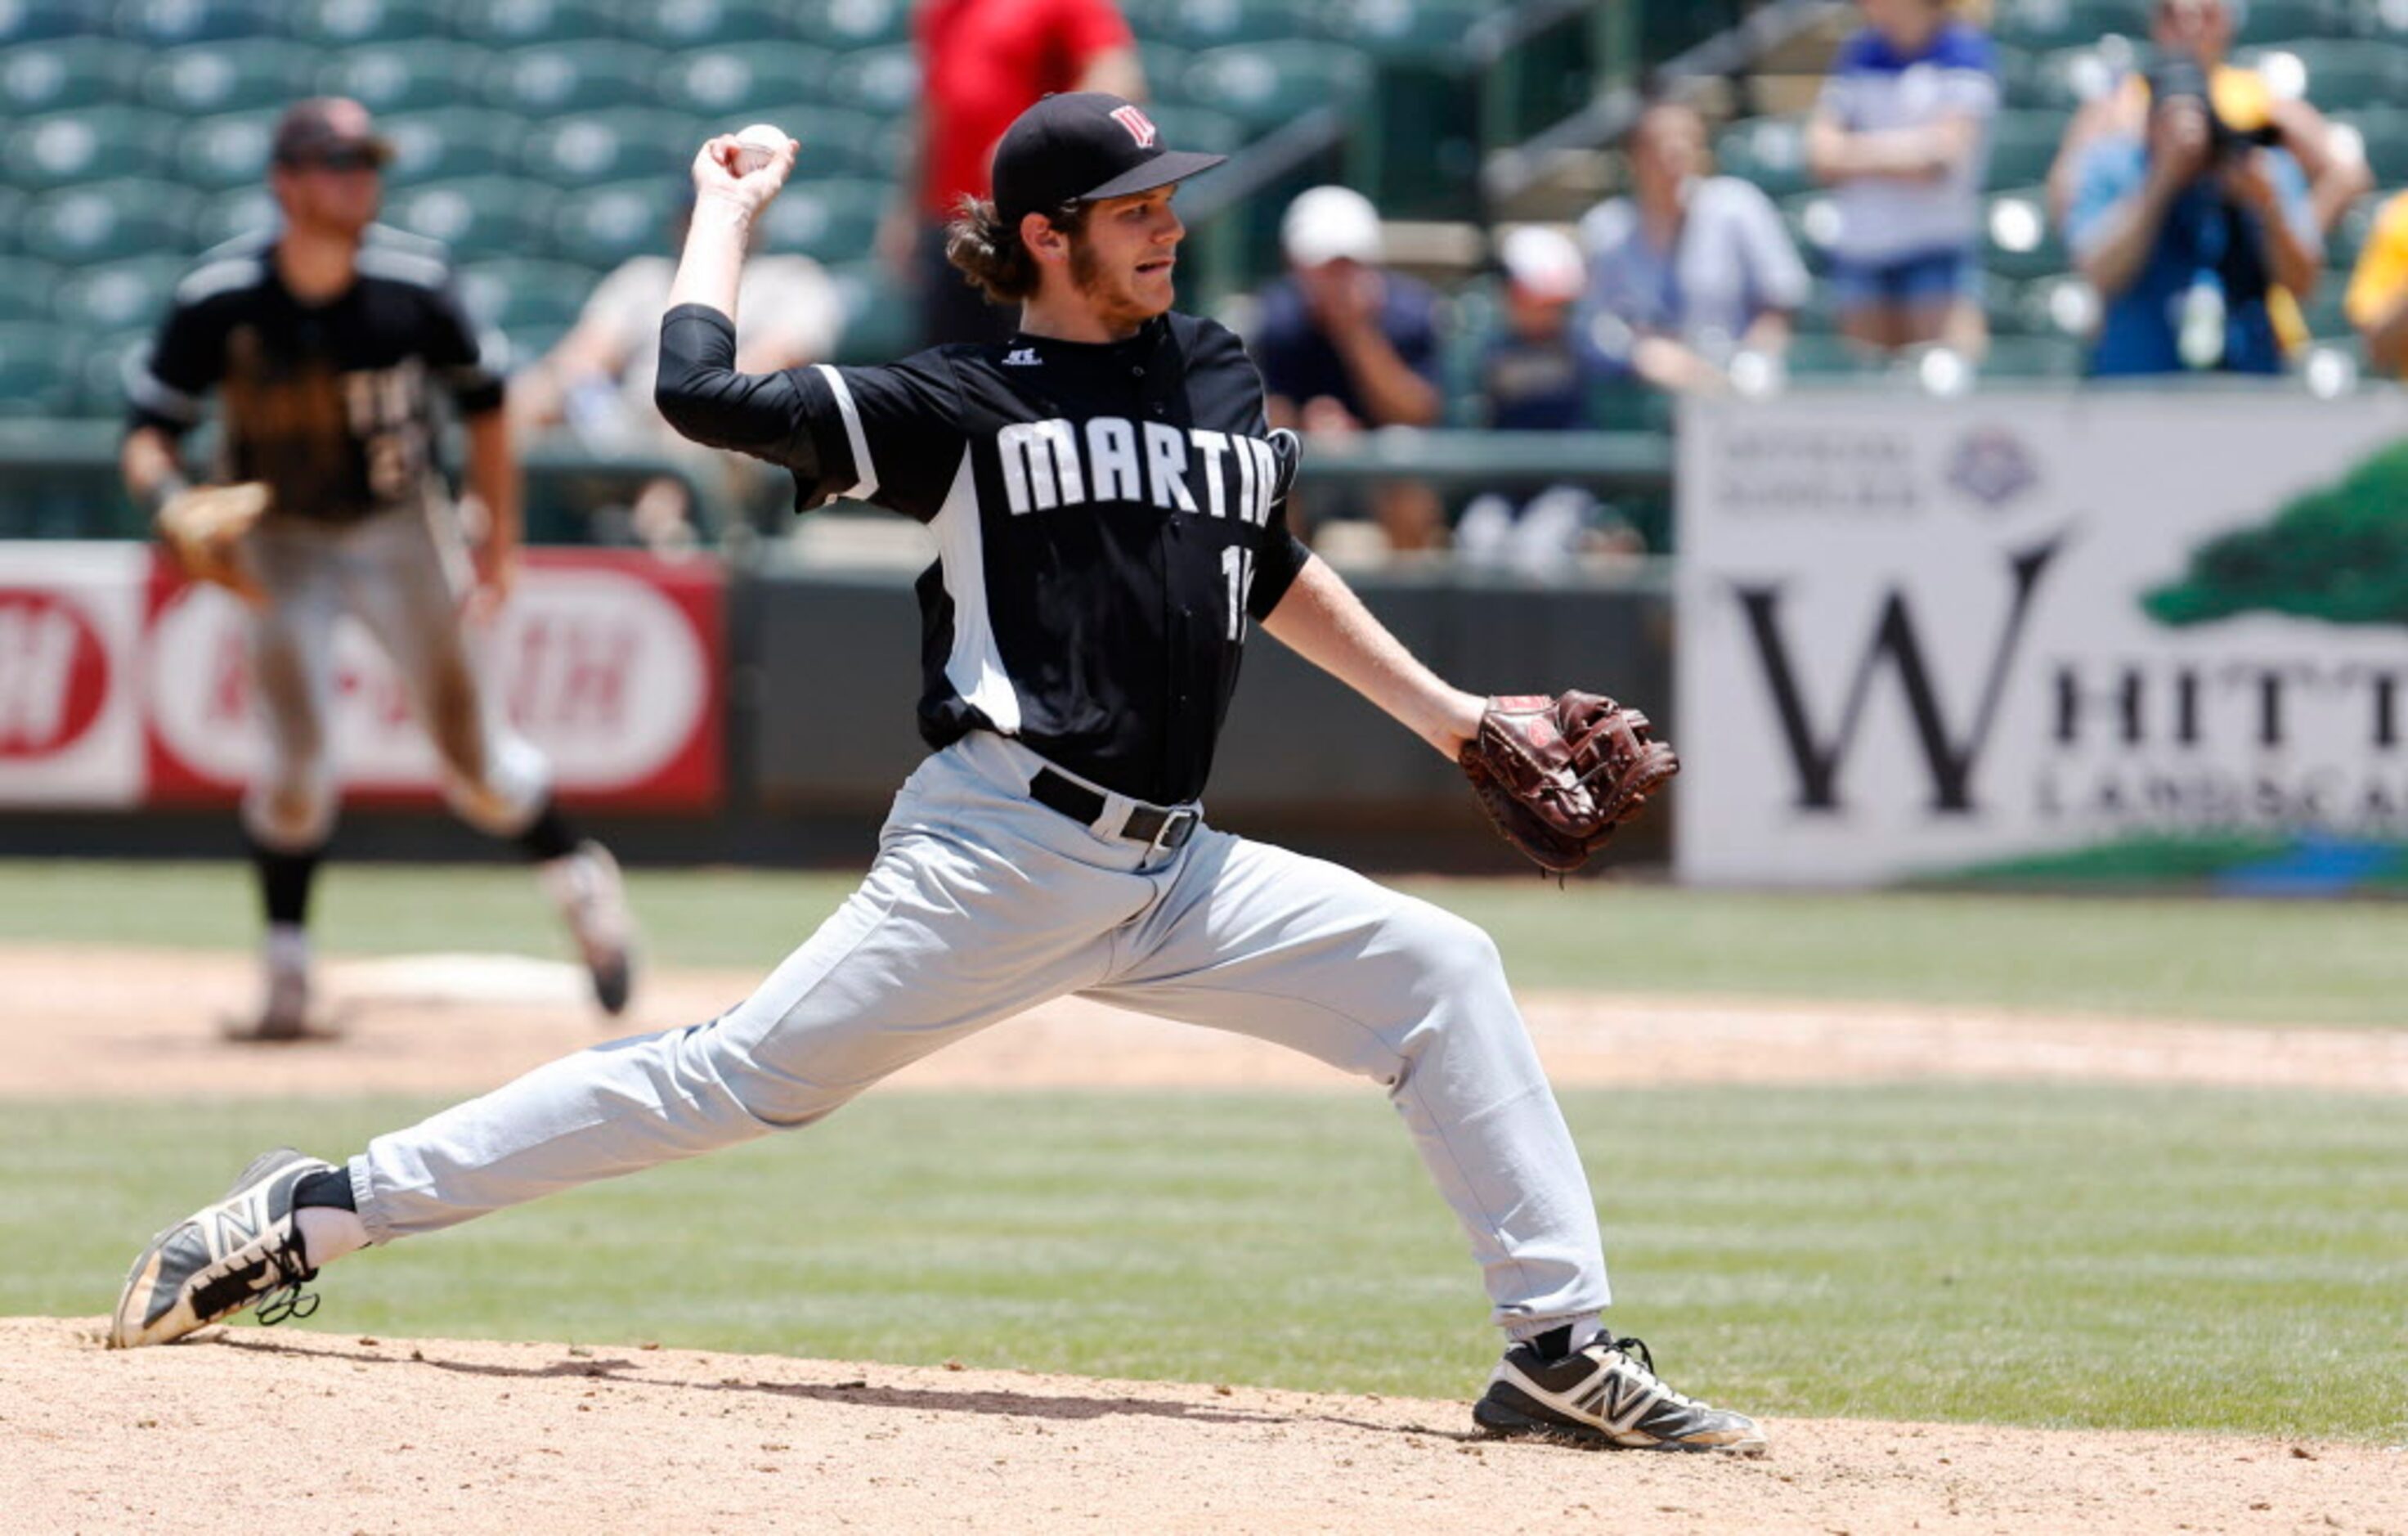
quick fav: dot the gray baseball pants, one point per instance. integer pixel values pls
(982, 903)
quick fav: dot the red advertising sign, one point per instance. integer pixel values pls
(69, 627)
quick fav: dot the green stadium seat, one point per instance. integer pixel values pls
(582, 150)
(519, 295)
(106, 221)
(238, 210)
(120, 295)
(1265, 84)
(1216, 23)
(2383, 132)
(2019, 79)
(721, 83)
(66, 73)
(26, 288)
(407, 77)
(1185, 126)
(2272, 21)
(2017, 241)
(202, 78)
(883, 80)
(2004, 308)
(43, 20)
(521, 23)
(1412, 31)
(1165, 67)
(350, 23)
(1814, 355)
(850, 24)
(2022, 146)
(2034, 357)
(839, 141)
(477, 217)
(2060, 23)
(701, 23)
(604, 225)
(2065, 305)
(2337, 74)
(2324, 311)
(100, 365)
(549, 79)
(833, 219)
(36, 370)
(172, 23)
(880, 322)
(226, 150)
(2065, 78)
(453, 142)
(1770, 152)
(67, 149)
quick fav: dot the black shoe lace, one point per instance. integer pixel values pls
(288, 1300)
(1635, 1347)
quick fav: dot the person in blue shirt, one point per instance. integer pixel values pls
(2183, 233)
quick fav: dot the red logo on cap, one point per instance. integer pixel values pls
(1141, 127)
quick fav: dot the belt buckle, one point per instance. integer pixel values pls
(1172, 835)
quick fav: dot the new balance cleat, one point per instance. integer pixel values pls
(1606, 1395)
(244, 1250)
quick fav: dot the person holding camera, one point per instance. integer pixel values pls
(2185, 231)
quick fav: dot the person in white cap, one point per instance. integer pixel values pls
(1345, 345)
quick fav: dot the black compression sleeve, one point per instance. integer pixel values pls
(701, 394)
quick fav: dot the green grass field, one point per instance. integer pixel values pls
(2053, 1256)
(2329, 963)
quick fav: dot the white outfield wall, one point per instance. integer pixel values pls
(1915, 634)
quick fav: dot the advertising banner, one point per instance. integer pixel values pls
(70, 636)
(2141, 636)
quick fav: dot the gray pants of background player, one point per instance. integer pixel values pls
(401, 573)
(982, 903)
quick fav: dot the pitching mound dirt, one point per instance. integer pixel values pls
(245, 1430)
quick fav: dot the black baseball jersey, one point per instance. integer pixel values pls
(1108, 516)
(332, 404)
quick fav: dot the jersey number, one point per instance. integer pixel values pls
(1238, 564)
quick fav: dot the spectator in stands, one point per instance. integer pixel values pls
(1690, 272)
(2378, 301)
(598, 379)
(1901, 136)
(982, 62)
(2183, 234)
(1345, 344)
(1536, 373)
(2202, 31)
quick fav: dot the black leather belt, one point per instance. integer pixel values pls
(1147, 824)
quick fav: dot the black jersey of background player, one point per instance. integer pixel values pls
(331, 404)
(1108, 515)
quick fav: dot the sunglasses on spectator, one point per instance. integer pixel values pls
(338, 160)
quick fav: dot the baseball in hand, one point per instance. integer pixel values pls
(756, 146)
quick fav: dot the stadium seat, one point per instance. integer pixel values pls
(106, 221)
(2005, 306)
(850, 24)
(477, 217)
(2272, 21)
(1817, 355)
(1770, 152)
(120, 295)
(833, 219)
(604, 225)
(350, 23)
(1216, 23)
(202, 78)
(1265, 84)
(582, 150)
(2324, 311)
(454, 142)
(25, 287)
(43, 20)
(2383, 132)
(237, 211)
(2335, 73)
(701, 23)
(741, 82)
(1186, 126)
(66, 73)
(226, 150)
(411, 77)
(171, 24)
(2035, 357)
(1415, 31)
(37, 372)
(883, 80)
(67, 149)
(1165, 67)
(99, 366)
(2058, 24)
(2066, 305)
(839, 141)
(517, 294)
(521, 23)
(2022, 145)
(551, 79)
(2065, 78)
(880, 323)
(2017, 241)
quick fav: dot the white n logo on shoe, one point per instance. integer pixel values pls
(1619, 1399)
(234, 1227)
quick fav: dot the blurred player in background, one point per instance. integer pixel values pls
(982, 62)
(597, 380)
(328, 339)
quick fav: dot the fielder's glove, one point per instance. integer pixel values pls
(1558, 775)
(203, 528)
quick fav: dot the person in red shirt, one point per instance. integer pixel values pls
(982, 62)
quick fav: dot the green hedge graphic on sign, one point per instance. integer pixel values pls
(2338, 553)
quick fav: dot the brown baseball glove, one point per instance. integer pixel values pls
(1558, 775)
(203, 527)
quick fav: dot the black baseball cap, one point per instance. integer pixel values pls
(1083, 147)
(328, 129)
